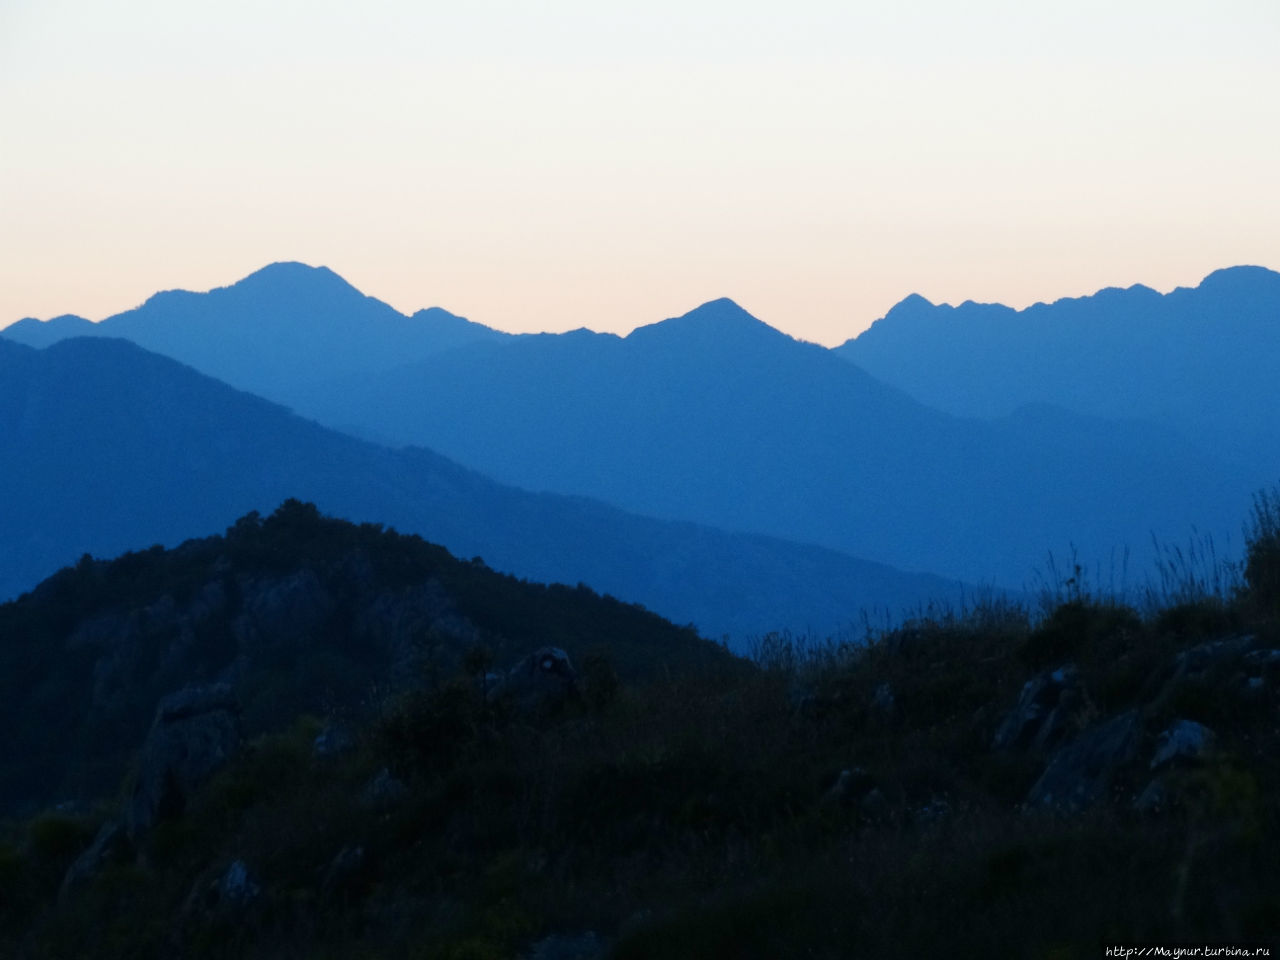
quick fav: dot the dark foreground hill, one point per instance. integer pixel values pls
(108, 447)
(982, 786)
(296, 613)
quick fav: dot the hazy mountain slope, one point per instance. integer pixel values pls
(718, 418)
(42, 333)
(112, 448)
(275, 332)
(1201, 359)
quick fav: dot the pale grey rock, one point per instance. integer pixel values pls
(1080, 772)
(1183, 740)
(384, 790)
(196, 730)
(1044, 713)
(1153, 799)
(110, 844)
(559, 946)
(541, 681)
(237, 887)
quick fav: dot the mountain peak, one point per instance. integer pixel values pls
(41, 333)
(912, 301)
(1240, 278)
(715, 320)
(291, 275)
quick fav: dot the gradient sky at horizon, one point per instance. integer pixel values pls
(545, 166)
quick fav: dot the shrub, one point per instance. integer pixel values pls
(1081, 630)
(1262, 555)
(57, 838)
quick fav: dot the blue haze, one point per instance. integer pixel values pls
(718, 419)
(109, 447)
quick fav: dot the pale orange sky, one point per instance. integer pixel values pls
(607, 165)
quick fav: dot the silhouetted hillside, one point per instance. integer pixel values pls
(1060, 783)
(42, 333)
(275, 332)
(717, 418)
(297, 613)
(112, 448)
(1200, 360)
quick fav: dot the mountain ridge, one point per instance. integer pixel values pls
(122, 448)
(1195, 358)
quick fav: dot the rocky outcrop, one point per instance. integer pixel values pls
(1080, 772)
(407, 625)
(559, 946)
(384, 790)
(110, 845)
(195, 731)
(1184, 740)
(281, 613)
(542, 681)
(1204, 657)
(1044, 713)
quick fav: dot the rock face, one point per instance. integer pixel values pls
(237, 886)
(582, 946)
(1079, 773)
(281, 612)
(1206, 656)
(1184, 740)
(110, 844)
(544, 680)
(1042, 718)
(195, 731)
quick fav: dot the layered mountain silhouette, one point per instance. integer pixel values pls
(116, 448)
(274, 333)
(1201, 359)
(716, 418)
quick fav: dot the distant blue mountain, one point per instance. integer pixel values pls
(108, 447)
(1201, 360)
(275, 332)
(716, 418)
(42, 333)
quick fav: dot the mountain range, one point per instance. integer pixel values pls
(902, 453)
(118, 448)
(1200, 360)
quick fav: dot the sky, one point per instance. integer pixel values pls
(551, 165)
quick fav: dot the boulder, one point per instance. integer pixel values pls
(559, 946)
(384, 790)
(1154, 797)
(1043, 716)
(281, 613)
(883, 702)
(1183, 740)
(343, 872)
(332, 741)
(541, 682)
(1262, 659)
(1203, 657)
(195, 731)
(110, 845)
(851, 786)
(233, 894)
(237, 887)
(1080, 772)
